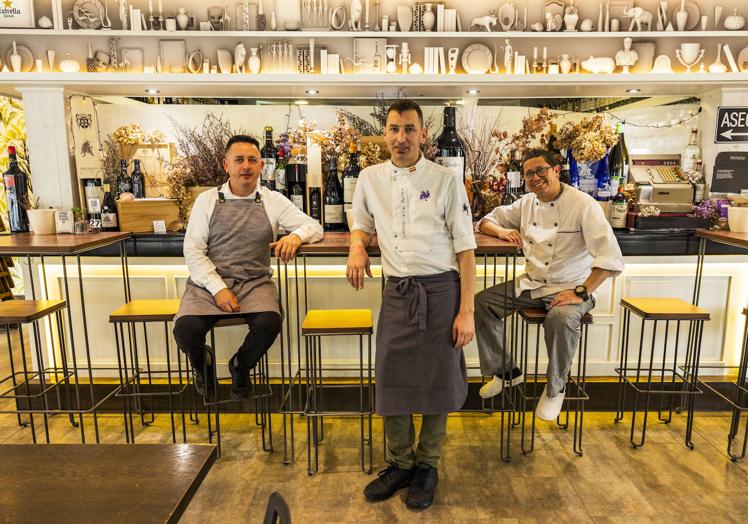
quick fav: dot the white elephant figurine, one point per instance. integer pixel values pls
(599, 64)
(638, 16)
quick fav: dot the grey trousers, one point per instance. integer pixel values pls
(561, 327)
(401, 435)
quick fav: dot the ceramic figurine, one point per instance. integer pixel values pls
(689, 55)
(254, 61)
(508, 56)
(599, 64)
(626, 57)
(638, 16)
(16, 61)
(571, 17)
(681, 16)
(587, 25)
(51, 60)
(428, 18)
(69, 65)
(404, 58)
(240, 55)
(487, 22)
(717, 66)
(182, 18)
(356, 9)
(507, 16)
(734, 22)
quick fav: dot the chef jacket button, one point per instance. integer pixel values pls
(395, 236)
(555, 224)
(545, 281)
(550, 245)
(534, 224)
(530, 241)
(546, 263)
(551, 204)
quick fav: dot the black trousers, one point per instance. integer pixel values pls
(190, 332)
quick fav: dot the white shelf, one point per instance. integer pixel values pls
(370, 34)
(285, 86)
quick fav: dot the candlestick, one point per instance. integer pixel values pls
(545, 53)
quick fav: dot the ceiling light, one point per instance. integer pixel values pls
(152, 91)
(312, 92)
(472, 91)
(301, 102)
(633, 91)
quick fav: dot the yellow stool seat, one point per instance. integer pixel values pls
(664, 308)
(25, 311)
(337, 322)
(146, 310)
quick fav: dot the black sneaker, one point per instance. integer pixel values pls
(205, 385)
(241, 384)
(388, 482)
(421, 492)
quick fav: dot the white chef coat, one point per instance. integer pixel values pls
(420, 214)
(562, 240)
(281, 212)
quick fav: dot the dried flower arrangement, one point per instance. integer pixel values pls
(589, 139)
(510, 149)
(120, 146)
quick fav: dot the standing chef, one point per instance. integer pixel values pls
(227, 247)
(570, 250)
(419, 211)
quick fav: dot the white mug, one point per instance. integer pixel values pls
(171, 24)
(553, 69)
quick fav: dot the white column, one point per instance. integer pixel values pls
(52, 172)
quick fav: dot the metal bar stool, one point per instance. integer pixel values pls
(136, 382)
(531, 390)
(657, 310)
(261, 393)
(33, 387)
(336, 322)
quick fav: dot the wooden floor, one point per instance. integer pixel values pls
(661, 482)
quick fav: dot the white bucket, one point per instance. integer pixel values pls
(42, 221)
(737, 219)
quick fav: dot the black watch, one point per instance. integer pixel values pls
(581, 291)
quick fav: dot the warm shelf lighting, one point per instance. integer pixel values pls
(633, 91)
(152, 91)
(312, 92)
(472, 91)
(301, 102)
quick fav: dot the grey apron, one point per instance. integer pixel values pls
(418, 368)
(238, 245)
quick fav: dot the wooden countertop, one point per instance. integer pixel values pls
(338, 243)
(100, 482)
(724, 237)
(28, 243)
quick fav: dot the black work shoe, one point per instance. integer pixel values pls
(421, 492)
(388, 482)
(205, 385)
(241, 384)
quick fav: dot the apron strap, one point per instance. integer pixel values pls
(417, 301)
(221, 197)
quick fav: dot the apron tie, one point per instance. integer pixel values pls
(417, 300)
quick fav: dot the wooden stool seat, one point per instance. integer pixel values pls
(664, 309)
(338, 321)
(537, 316)
(25, 311)
(146, 310)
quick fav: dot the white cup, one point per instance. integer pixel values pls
(737, 219)
(171, 24)
(615, 25)
(42, 221)
(553, 69)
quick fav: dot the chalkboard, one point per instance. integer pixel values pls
(730, 173)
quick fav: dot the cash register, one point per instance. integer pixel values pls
(660, 183)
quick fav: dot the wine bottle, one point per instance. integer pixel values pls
(268, 157)
(296, 179)
(16, 194)
(334, 215)
(573, 169)
(280, 172)
(315, 203)
(350, 177)
(691, 153)
(94, 197)
(109, 220)
(450, 151)
(619, 162)
(138, 183)
(619, 210)
(602, 174)
(124, 182)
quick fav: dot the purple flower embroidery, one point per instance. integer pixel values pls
(425, 195)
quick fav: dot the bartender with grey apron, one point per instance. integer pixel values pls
(227, 248)
(420, 214)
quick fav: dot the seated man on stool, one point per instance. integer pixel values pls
(227, 248)
(570, 250)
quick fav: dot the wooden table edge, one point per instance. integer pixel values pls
(186, 498)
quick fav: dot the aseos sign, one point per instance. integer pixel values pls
(732, 125)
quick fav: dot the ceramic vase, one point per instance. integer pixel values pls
(254, 61)
(428, 18)
(15, 59)
(404, 17)
(681, 17)
(182, 19)
(69, 65)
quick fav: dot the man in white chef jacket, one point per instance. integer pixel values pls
(227, 248)
(420, 213)
(570, 250)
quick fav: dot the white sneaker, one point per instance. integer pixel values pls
(496, 384)
(549, 408)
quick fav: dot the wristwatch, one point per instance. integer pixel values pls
(581, 292)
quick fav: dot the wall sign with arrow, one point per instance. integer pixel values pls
(732, 125)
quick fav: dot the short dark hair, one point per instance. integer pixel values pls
(403, 105)
(246, 139)
(549, 156)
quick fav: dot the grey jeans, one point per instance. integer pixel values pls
(562, 331)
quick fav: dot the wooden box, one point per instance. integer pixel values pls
(153, 160)
(137, 216)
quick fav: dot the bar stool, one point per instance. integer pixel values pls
(336, 322)
(531, 390)
(33, 387)
(654, 311)
(133, 377)
(261, 393)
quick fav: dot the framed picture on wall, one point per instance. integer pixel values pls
(17, 13)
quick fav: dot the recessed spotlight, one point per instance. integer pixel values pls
(633, 91)
(312, 92)
(301, 102)
(472, 91)
(152, 91)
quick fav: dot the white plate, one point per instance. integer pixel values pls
(476, 59)
(743, 61)
(694, 16)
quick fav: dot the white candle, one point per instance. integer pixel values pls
(367, 14)
(160, 8)
(150, 7)
(535, 53)
(545, 53)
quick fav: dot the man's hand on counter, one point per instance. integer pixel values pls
(227, 301)
(285, 248)
(358, 265)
